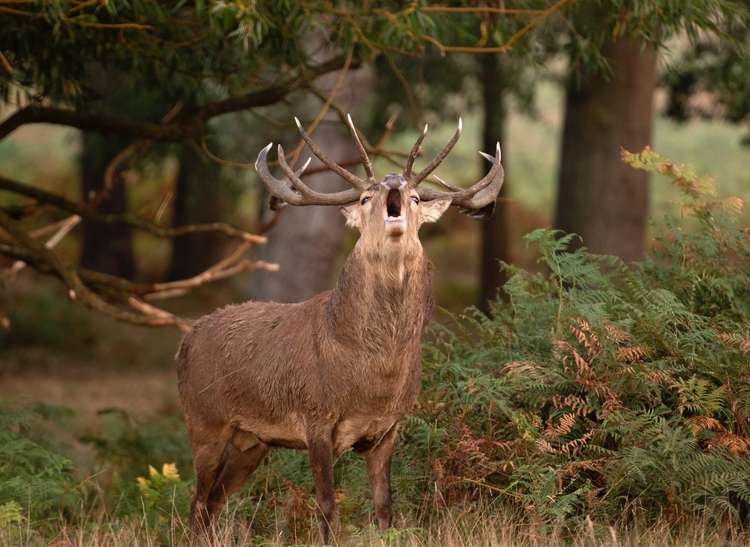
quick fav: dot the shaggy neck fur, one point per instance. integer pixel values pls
(383, 295)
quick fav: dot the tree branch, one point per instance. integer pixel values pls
(131, 220)
(77, 290)
(188, 124)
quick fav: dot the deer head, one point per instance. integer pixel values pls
(391, 210)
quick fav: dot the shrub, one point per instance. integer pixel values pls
(36, 480)
(602, 389)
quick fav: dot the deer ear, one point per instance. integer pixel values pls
(432, 210)
(351, 214)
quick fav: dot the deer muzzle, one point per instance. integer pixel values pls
(395, 221)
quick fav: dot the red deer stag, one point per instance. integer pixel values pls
(334, 372)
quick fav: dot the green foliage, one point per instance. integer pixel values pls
(40, 319)
(163, 495)
(721, 69)
(55, 49)
(602, 389)
(128, 447)
(35, 479)
(10, 514)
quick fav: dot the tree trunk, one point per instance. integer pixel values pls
(105, 248)
(599, 197)
(495, 240)
(306, 241)
(198, 199)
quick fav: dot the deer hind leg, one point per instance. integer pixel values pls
(320, 450)
(207, 462)
(378, 459)
(242, 456)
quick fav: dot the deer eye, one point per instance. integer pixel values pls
(365, 200)
(415, 199)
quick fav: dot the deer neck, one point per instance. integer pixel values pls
(382, 296)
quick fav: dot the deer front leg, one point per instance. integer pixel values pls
(320, 450)
(378, 459)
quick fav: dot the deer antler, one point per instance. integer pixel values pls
(479, 194)
(475, 198)
(362, 152)
(437, 160)
(332, 165)
(304, 195)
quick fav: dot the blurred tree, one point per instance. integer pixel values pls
(711, 78)
(199, 197)
(598, 196)
(612, 48)
(105, 247)
(495, 239)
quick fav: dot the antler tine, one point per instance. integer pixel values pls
(478, 195)
(362, 151)
(332, 165)
(276, 187)
(414, 153)
(310, 196)
(424, 173)
(282, 190)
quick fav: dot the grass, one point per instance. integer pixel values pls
(453, 528)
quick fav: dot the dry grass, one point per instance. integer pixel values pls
(444, 527)
(447, 528)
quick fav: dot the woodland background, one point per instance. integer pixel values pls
(594, 395)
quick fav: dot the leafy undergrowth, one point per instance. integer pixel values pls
(602, 390)
(603, 403)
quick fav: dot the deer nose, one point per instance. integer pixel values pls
(393, 181)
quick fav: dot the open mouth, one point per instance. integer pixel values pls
(395, 222)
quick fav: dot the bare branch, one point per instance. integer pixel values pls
(88, 213)
(63, 228)
(77, 290)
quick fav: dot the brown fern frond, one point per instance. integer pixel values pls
(697, 423)
(734, 443)
(736, 340)
(565, 425)
(575, 403)
(545, 446)
(584, 369)
(615, 333)
(658, 377)
(632, 354)
(581, 465)
(586, 337)
(518, 367)
(574, 446)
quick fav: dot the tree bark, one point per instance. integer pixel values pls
(306, 241)
(599, 197)
(106, 248)
(495, 240)
(198, 199)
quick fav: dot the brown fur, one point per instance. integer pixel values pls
(333, 372)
